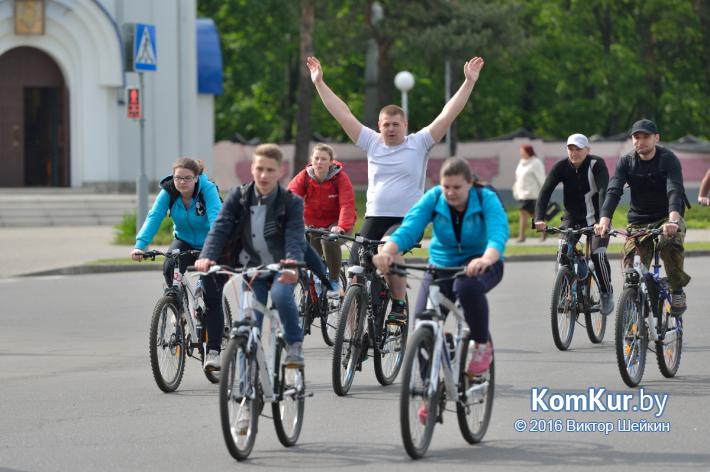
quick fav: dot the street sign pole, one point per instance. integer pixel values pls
(142, 184)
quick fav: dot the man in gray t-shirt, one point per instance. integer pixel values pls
(396, 161)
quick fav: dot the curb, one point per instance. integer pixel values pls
(105, 269)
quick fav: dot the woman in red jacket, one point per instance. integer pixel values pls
(329, 204)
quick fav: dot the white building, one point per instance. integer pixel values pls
(62, 91)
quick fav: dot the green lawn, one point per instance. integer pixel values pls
(696, 217)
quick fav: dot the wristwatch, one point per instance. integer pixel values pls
(674, 222)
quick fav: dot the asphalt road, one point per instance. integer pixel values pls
(76, 391)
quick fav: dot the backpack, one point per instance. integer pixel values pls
(200, 205)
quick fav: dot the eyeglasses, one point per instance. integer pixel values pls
(183, 179)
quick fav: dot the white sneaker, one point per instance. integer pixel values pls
(243, 420)
(213, 361)
(334, 294)
(295, 355)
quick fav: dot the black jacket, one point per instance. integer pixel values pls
(656, 186)
(284, 228)
(583, 193)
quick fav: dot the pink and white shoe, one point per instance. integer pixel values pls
(480, 360)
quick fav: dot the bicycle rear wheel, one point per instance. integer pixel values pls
(390, 345)
(166, 344)
(239, 398)
(347, 348)
(631, 338)
(475, 403)
(329, 320)
(213, 375)
(669, 350)
(289, 385)
(418, 408)
(563, 312)
(594, 320)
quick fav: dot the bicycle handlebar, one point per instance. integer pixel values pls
(400, 269)
(357, 238)
(636, 234)
(250, 271)
(568, 231)
(154, 252)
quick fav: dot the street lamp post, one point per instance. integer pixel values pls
(404, 81)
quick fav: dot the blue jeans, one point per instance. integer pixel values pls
(284, 302)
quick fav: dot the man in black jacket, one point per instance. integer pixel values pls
(657, 198)
(584, 178)
(270, 221)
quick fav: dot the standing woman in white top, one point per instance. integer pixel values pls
(529, 177)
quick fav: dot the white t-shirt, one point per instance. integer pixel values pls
(395, 174)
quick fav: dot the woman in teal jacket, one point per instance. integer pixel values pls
(194, 203)
(470, 228)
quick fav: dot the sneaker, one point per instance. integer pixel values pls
(422, 413)
(398, 314)
(334, 293)
(295, 355)
(678, 304)
(243, 420)
(481, 360)
(607, 303)
(213, 361)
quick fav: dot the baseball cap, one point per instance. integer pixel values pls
(578, 140)
(644, 126)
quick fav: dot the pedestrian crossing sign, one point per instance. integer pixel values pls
(145, 56)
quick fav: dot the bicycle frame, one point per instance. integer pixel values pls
(247, 327)
(435, 301)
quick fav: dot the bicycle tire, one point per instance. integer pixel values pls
(418, 362)
(562, 321)
(329, 320)
(631, 338)
(390, 345)
(238, 411)
(167, 350)
(474, 412)
(213, 375)
(669, 351)
(288, 409)
(348, 340)
(594, 320)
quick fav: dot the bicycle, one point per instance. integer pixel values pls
(435, 370)
(177, 326)
(363, 315)
(646, 293)
(254, 370)
(576, 289)
(314, 304)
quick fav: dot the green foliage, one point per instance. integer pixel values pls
(126, 231)
(552, 66)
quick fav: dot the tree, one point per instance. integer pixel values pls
(305, 88)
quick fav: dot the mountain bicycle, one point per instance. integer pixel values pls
(576, 289)
(254, 370)
(645, 313)
(434, 370)
(363, 323)
(177, 326)
(312, 300)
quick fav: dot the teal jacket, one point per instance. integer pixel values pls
(188, 225)
(483, 226)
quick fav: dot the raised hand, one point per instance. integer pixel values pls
(472, 68)
(315, 68)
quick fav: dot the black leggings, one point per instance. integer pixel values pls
(374, 227)
(601, 262)
(471, 292)
(212, 293)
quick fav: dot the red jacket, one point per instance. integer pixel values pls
(327, 202)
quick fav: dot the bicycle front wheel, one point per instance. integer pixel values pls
(475, 403)
(166, 344)
(668, 351)
(289, 385)
(329, 320)
(631, 338)
(348, 340)
(594, 320)
(239, 398)
(390, 345)
(418, 406)
(563, 312)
